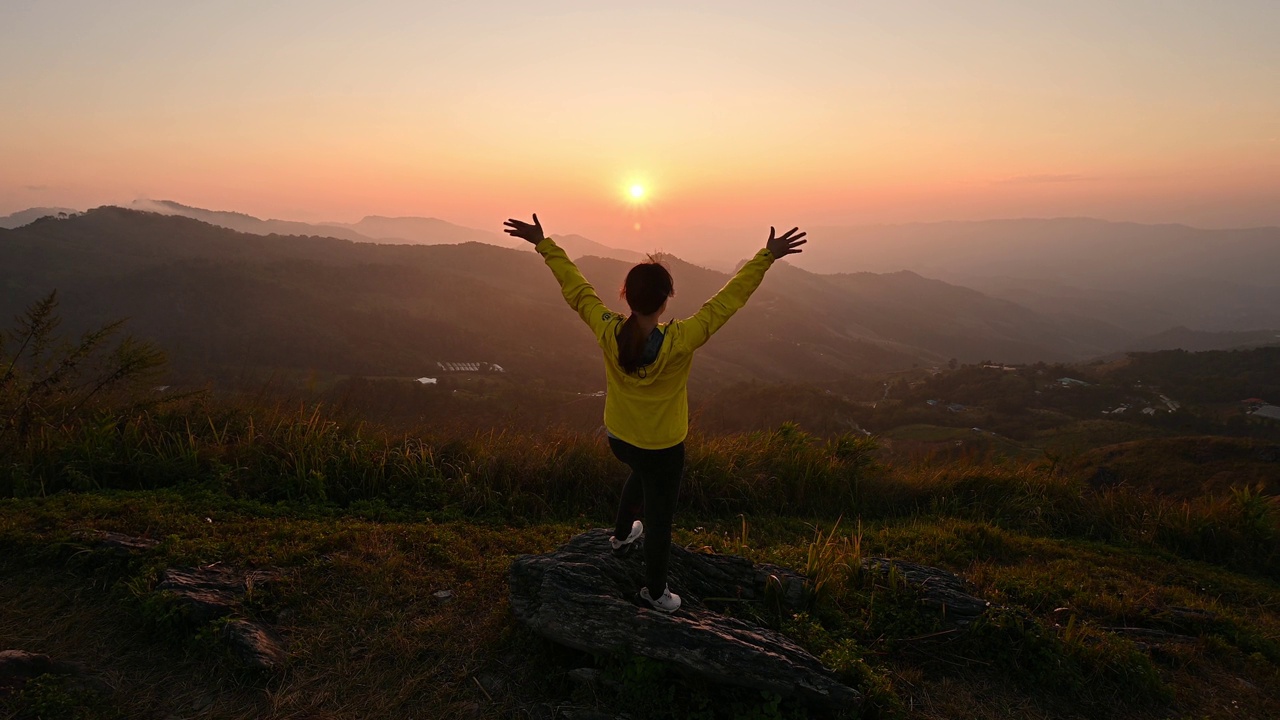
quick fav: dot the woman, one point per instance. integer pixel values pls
(646, 407)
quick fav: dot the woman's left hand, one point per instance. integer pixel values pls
(786, 244)
(525, 231)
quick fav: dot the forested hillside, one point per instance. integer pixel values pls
(227, 304)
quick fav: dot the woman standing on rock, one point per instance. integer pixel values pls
(646, 408)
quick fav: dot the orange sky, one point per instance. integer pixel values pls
(732, 114)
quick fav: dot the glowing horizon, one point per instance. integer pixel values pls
(741, 113)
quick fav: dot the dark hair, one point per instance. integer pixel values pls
(647, 286)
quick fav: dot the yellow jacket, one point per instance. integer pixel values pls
(652, 411)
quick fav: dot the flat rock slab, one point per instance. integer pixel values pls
(939, 589)
(255, 645)
(19, 666)
(584, 597)
(118, 542)
(207, 593)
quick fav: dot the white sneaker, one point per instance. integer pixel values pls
(668, 602)
(622, 547)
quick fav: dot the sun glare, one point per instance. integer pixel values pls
(637, 192)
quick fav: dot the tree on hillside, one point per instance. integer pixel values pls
(46, 381)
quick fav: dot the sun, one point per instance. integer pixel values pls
(637, 192)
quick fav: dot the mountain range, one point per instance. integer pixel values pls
(228, 302)
(226, 291)
(373, 228)
(378, 229)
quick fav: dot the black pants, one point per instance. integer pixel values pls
(651, 491)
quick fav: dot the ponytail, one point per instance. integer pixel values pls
(630, 344)
(646, 288)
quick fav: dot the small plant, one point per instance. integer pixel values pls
(832, 560)
(1257, 513)
(880, 702)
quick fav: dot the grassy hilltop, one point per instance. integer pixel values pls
(368, 528)
(1134, 594)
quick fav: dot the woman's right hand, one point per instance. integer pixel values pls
(525, 231)
(786, 243)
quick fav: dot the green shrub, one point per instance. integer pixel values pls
(54, 697)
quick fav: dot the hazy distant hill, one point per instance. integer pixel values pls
(375, 228)
(22, 217)
(577, 246)
(228, 301)
(433, 231)
(1143, 278)
(424, 231)
(248, 223)
(1059, 248)
(1181, 338)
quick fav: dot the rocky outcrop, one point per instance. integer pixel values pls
(584, 597)
(205, 593)
(254, 645)
(215, 591)
(208, 593)
(941, 590)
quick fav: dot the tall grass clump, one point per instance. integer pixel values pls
(786, 470)
(79, 416)
(306, 453)
(832, 560)
(1240, 530)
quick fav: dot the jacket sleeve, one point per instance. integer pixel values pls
(717, 311)
(577, 291)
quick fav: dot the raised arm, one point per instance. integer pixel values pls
(577, 291)
(717, 311)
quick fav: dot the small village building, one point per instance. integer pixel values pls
(427, 381)
(1271, 412)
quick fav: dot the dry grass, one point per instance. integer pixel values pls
(368, 639)
(368, 526)
(300, 454)
(366, 636)
(60, 616)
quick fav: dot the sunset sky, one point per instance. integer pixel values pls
(727, 113)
